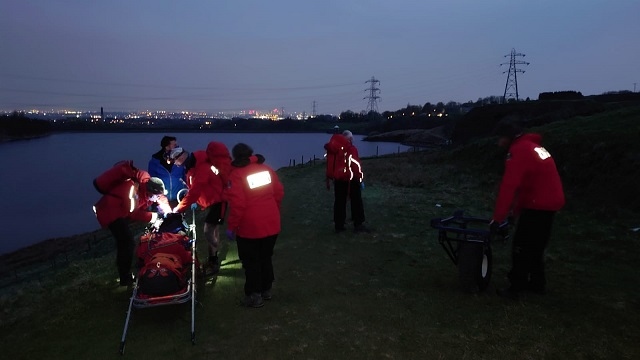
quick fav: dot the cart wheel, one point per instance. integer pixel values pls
(474, 266)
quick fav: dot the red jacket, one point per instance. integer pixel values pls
(254, 194)
(343, 162)
(207, 179)
(126, 198)
(530, 180)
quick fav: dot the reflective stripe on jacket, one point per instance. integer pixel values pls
(129, 200)
(254, 195)
(530, 180)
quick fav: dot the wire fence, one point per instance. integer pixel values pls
(313, 159)
(36, 262)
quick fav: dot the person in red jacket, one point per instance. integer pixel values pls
(127, 195)
(207, 175)
(532, 190)
(347, 184)
(254, 194)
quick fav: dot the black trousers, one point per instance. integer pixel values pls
(256, 255)
(124, 246)
(343, 190)
(530, 240)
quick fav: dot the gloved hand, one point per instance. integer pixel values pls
(362, 185)
(231, 235)
(156, 224)
(194, 206)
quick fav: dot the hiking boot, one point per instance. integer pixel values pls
(128, 280)
(254, 300)
(361, 229)
(508, 294)
(266, 295)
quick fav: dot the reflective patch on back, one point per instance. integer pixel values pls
(542, 153)
(259, 179)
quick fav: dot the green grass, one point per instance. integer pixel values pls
(392, 294)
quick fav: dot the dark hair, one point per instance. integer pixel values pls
(508, 129)
(241, 151)
(166, 140)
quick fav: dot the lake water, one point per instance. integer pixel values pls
(46, 184)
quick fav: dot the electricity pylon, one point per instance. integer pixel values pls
(373, 97)
(511, 87)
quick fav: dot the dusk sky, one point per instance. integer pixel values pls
(258, 54)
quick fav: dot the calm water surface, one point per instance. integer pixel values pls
(46, 184)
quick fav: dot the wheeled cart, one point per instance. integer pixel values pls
(467, 241)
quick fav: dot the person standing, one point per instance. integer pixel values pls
(207, 175)
(531, 187)
(161, 166)
(127, 195)
(347, 175)
(254, 194)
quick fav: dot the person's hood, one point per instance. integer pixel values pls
(336, 142)
(217, 150)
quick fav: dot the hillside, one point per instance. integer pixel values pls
(390, 294)
(482, 120)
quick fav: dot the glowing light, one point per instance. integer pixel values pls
(259, 179)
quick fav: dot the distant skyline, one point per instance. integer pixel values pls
(213, 56)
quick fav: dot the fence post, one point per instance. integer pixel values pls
(377, 150)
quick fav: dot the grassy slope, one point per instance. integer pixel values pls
(391, 294)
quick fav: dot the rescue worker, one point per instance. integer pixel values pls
(127, 195)
(254, 194)
(349, 186)
(207, 174)
(532, 189)
(161, 166)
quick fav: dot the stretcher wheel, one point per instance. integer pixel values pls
(474, 266)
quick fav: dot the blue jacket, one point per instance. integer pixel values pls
(174, 179)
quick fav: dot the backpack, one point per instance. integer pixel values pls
(153, 243)
(163, 274)
(337, 158)
(110, 179)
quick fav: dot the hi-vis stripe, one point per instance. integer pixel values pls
(214, 170)
(259, 179)
(132, 198)
(352, 160)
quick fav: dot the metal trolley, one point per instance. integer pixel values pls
(467, 241)
(187, 294)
